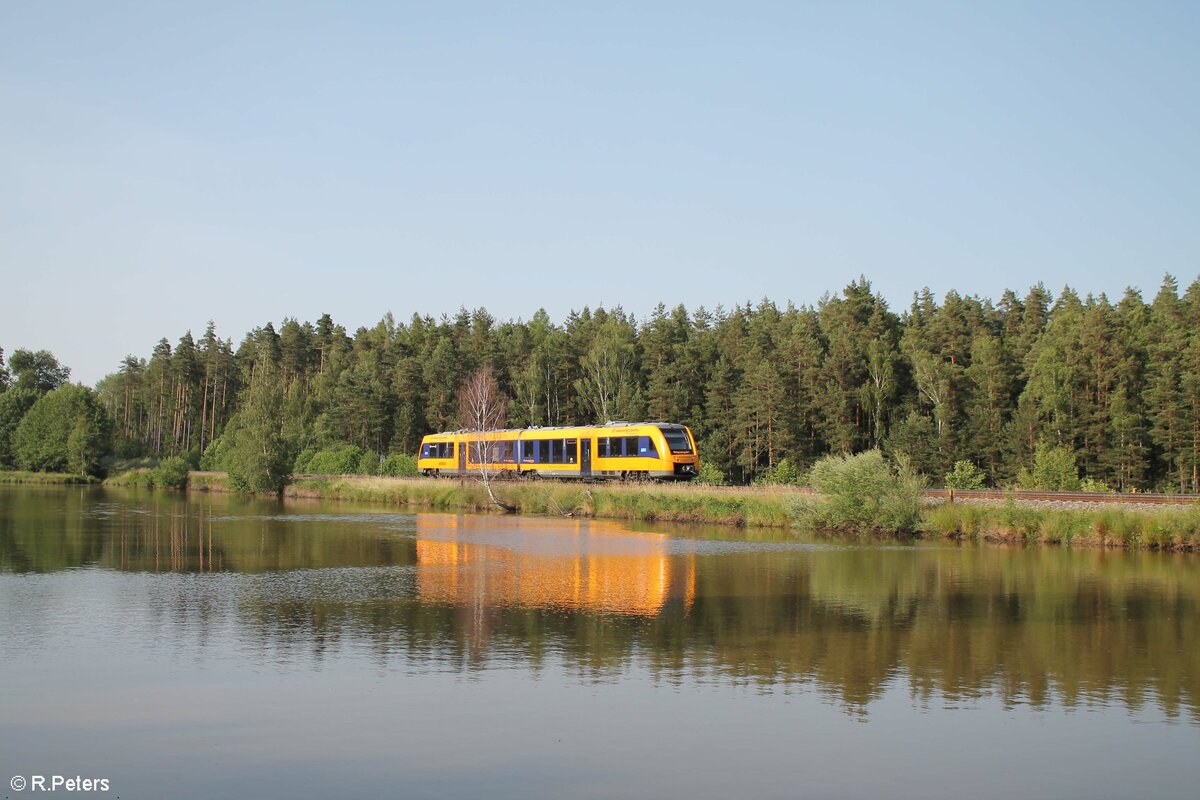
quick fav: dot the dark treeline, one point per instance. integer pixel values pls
(962, 378)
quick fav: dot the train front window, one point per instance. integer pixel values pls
(677, 440)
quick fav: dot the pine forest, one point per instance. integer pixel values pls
(767, 390)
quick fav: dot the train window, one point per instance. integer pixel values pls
(646, 447)
(556, 451)
(543, 451)
(631, 445)
(572, 450)
(677, 440)
(602, 447)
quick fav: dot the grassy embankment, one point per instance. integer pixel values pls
(43, 478)
(647, 503)
(1156, 528)
(1166, 527)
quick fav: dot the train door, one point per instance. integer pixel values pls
(585, 457)
(462, 457)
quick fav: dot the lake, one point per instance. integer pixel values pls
(211, 646)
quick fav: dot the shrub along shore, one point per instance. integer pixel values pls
(1174, 528)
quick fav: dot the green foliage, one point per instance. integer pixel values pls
(783, 473)
(948, 379)
(172, 472)
(39, 372)
(340, 459)
(369, 463)
(65, 430)
(1093, 485)
(1053, 470)
(863, 493)
(14, 404)
(965, 475)
(399, 465)
(914, 438)
(710, 474)
(216, 456)
(258, 459)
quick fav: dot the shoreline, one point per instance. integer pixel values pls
(1097, 524)
(1174, 528)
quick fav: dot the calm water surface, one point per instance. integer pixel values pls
(211, 647)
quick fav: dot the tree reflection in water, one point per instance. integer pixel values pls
(1039, 626)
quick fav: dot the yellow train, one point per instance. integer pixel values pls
(623, 450)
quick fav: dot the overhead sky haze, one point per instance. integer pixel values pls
(162, 166)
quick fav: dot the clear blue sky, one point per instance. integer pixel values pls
(161, 165)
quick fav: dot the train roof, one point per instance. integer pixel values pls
(550, 428)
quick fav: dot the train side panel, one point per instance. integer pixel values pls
(657, 451)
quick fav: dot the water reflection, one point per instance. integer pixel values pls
(296, 584)
(572, 565)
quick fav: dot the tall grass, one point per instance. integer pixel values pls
(648, 503)
(43, 478)
(1165, 528)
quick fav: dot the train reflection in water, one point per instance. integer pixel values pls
(550, 563)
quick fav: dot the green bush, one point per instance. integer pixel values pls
(368, 463)
(340, 459)
(1053, 470)
(863, 493)
(783, 473)
(1093, 485)
(710, 474)
(172, 473)
(965, 475)
(399, 465)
